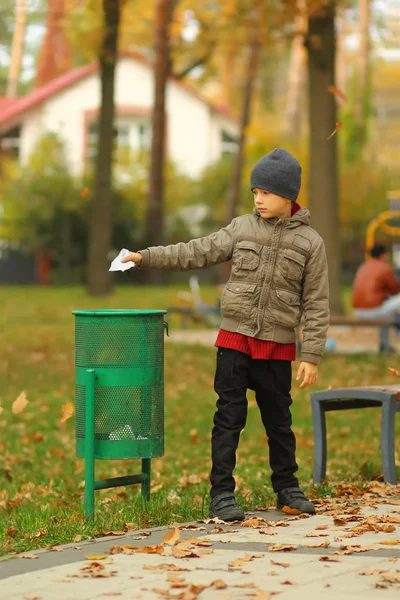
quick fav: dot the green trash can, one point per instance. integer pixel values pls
(119, 369)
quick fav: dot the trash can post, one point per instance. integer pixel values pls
(89, 443)
(146, 470)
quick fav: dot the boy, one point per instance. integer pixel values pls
(279, 271)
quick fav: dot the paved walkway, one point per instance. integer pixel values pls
(348, 340)
(349, 550)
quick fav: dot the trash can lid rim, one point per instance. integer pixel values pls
(116, 312)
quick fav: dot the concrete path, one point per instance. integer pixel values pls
(348, 340)
(349, 550)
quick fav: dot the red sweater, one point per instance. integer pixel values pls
(254, 347)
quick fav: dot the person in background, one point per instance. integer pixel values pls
(376, 291)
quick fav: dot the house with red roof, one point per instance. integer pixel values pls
(198, 131)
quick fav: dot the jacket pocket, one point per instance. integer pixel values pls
(293, 266)
(286, 308)
(237, 297)
(246, 255)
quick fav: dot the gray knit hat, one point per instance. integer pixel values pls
(278, 172)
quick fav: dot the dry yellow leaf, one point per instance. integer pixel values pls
(394, 371)
(282, 548)
(389, 542)
(219, 584)
(20, 403)
(171, 537)
(151, 549)
(96, 556)
(338, 126)
(67, 410)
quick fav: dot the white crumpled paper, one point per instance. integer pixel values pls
(117, 265)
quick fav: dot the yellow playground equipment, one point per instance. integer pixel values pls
(382, 222)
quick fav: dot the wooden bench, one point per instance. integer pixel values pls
(385, 397)
(383, 325)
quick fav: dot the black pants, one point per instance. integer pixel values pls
(271, 380)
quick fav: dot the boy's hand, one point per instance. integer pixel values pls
(310, 374)
(136, 257)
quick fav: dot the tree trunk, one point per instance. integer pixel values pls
(16, 48)
(101, 221)
(323, 190)
(297, 76)
(363, 58)
(251, 74)
(155, 234)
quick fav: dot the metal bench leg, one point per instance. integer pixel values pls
(319, 423)
(384, 339)
(387, 440)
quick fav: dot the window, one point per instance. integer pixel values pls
(10, 142)
(229, 143)
(133, 134)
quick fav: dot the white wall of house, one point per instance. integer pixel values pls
(193, 131)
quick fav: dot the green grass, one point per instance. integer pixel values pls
(41, 480)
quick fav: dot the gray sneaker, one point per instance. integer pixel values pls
(224, 507)
(293, 501)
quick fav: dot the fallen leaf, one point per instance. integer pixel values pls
(151, 549)
(255, 522)
(27, 556)
(164, 567)
(96, 556)
(113, 533)
(391, 577)
(117, 549)
(280, 564)
(394, 371)
(267, 532)
(329, 559)
(84, 192)
(290, 511)
(67, 410)
(389, 542)
(20, 403)
(171, 537)
(287, 582)
(371, 572)
(282, 548)
(176, 581)
(77, 539)
(238, 562)
(323, 544)
(338, 126)
(334, 90)
(218, 584)
(31, 597)
(245, 586)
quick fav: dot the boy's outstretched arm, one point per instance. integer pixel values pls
(315, 301)
(196, 254)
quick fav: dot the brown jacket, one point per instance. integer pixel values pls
(279, 271)
(375, 281)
